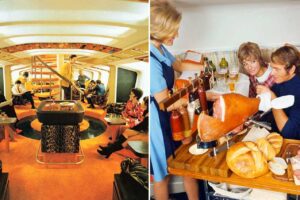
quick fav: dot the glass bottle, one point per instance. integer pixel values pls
(203, 99)
(207, 74)
(223, 67)
(212, 66)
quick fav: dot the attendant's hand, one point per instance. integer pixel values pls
(178, 104)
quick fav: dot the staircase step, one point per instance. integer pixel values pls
(42, 66)
(35, 87)
(46, 94)
(44, 79)
(45, 73)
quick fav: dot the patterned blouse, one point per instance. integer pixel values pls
(269, 82)
(133, 113)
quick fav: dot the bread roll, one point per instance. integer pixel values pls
(235, 110)
(270, 146)
(246, 160)
(276, 140)
(266, 148)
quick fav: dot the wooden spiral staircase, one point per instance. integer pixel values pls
(45, 84)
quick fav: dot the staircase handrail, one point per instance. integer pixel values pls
(60, 76)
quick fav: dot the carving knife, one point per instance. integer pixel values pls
(221, 148)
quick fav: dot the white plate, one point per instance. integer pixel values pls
(283, 102)
(195, 151)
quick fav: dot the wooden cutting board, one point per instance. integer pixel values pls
(288, 150)
(201, 163)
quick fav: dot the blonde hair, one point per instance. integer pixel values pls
(250, 50)
(164, 20)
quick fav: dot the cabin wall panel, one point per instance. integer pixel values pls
(225, 27)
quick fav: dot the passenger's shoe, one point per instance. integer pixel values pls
(18, 131)
(116, 146)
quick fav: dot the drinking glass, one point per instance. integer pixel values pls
(221, 79)
(234, 73)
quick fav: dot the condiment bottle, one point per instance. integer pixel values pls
(203, 99)
(186, 121)
(177, 126)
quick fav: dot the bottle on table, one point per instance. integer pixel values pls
(207, 74)
(223, 67)
(203, 99)
(177, 126)
(186, 124)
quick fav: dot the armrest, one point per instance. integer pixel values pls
(6, 103)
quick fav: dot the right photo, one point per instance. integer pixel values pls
(224, 100)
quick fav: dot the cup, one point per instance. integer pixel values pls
(221, 84)
(234, 73)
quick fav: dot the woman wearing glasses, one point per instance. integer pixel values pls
(259, 71)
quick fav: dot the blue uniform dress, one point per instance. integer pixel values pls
(161, 144)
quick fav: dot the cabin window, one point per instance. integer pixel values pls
(126, 80)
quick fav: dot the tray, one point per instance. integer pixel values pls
(289, 150)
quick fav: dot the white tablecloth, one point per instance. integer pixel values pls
(241, 87)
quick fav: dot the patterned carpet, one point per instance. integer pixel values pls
(91, 180)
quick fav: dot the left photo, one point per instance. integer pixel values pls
(74, 93)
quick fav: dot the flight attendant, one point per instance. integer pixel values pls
(165, 20)
(66, 71)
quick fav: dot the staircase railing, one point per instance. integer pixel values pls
(59, 75)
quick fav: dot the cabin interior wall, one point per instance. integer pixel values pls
(8, 82)
(143, 79)
(225, 27)
(112, 84)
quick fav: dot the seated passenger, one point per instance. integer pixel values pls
(102, 87)
(137, 132)
(259, 71)
(75, 92)
(97, 90)
(285, 63)
(133, 113)
(19, 90)
(27, 83)
(10, 112)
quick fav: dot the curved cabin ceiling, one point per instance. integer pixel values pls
(99, 31)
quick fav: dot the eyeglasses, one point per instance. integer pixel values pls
(249, 64)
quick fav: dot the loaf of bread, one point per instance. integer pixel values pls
(234, 110)
(270, 145)
(246, 160)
